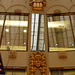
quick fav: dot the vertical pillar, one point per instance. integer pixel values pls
(29, 41)
(46, 42)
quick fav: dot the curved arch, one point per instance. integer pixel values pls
(72, 8)
(60, 6)
(3, 8)
(18, 5)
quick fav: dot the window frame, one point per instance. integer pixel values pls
(19, 14)
(60, 14)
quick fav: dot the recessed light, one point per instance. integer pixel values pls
(7, 30)
(24, 31)
(56, 44)
(24, 43)
(8, 42)
(72, 44)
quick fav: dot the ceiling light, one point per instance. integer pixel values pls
(72, 44)
(24, 31)
(24, 43)
(57, 24)
(56, 44)
(8, 42)
(7, 30)
(14, 23)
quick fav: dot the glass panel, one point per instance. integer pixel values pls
(15, 33)
(63, 72)
(60, 33)
(14, 72)
(37, 32)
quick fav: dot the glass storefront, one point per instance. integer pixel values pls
(63, 72)
(14, 36)
(61, 32)
(14, 72)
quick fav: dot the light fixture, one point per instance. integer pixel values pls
(24, 43)
(57, 24)
(14, 23)
(72, 44)
(7, 30)
(56, 44)
(8, 42)
(37, 4)
(0, 69)
(24, 31)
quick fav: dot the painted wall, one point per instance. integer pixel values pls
(11, 5)
(21, 59)
(63, 5)
(55, 61)
(24, 5)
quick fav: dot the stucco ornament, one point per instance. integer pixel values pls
(37, 61)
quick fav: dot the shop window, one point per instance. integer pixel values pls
(37, 32)
(63, 72)
(14, 72)
(14, 36)
(60, 34)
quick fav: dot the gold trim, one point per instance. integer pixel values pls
(37, 61)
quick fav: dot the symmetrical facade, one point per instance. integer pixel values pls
(57, 26)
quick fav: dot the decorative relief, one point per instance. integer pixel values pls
(37, 4)
(62, 55)
(37, 61)
(12, 54)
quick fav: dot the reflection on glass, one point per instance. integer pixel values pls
(14, 23)
(63, 72)
(37, 32)
(14, 72)
(57, 24)
(60, 33)
(15, 32)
